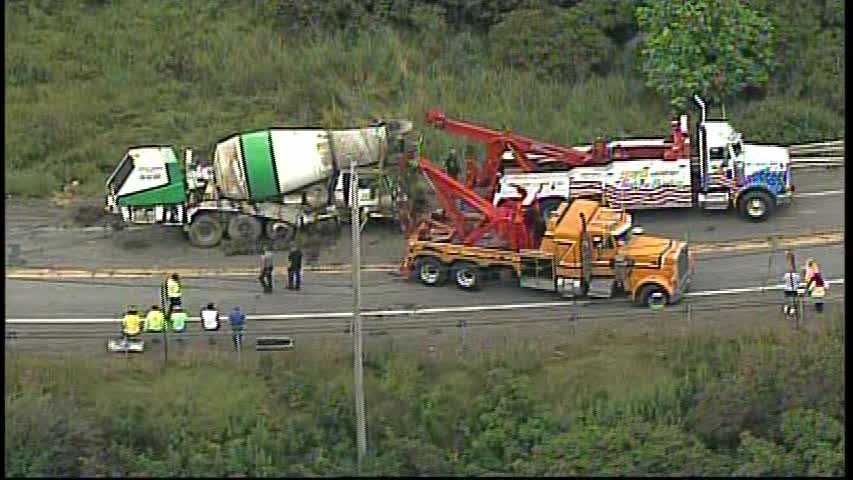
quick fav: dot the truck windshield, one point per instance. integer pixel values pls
(737, 147)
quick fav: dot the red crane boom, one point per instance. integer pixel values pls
(524, 148)
(497, 142)
(508, 223)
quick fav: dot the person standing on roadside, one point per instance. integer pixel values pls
(791, 284)
(266, 270)
(178, 320)
(238, 324)
(173, 292)
(210, 318)
(154, 321)
(131, 323)
(817, 289)
(294, 269)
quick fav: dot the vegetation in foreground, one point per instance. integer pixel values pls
(771, 403)
(86, 79)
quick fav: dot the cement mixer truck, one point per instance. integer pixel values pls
(265, 183)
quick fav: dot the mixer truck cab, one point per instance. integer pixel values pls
(148, 186)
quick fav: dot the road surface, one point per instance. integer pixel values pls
(33, 227)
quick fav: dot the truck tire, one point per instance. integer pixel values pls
(244, 228)
(279, 230)
(467, 275)
(205, 231)
(430, 271)
(755, 205)
(641, 299)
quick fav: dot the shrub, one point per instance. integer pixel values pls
(786, 120)
(564, 45)
(30, 183)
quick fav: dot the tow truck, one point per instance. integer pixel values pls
(634, 174)
(584, 249)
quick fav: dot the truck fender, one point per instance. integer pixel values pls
(752, 188)
(652, 280)
(191, 213)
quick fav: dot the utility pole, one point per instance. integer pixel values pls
(358, 370)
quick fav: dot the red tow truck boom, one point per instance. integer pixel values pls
(523, 148)
(532, 155)
(508, 223)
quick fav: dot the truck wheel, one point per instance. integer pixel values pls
(205, 231)
(467, 275)
(244, 228)
(755, 206)
(641, 299)
(279, 230)
(431, 272)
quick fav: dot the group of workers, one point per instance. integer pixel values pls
(294, 269)
(175, 318)
(811, 278)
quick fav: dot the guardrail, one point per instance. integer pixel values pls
(819, 154)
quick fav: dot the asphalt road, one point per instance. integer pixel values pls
(324, 293)
(34, 227)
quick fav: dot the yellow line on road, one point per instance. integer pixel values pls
(782, 242)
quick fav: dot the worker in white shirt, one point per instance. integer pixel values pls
(210, 317)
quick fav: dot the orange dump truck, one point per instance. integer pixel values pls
(586, 250)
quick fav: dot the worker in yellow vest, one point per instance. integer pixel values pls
(178, 320)
(131, 324)
(154, 321)
(173, 291)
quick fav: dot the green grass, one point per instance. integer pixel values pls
(85, 82)
(621, 404)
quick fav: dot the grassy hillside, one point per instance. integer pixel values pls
(770, 403)
(85, 80)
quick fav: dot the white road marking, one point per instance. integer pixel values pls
(819, 194)
(710, 293)
(424, 311)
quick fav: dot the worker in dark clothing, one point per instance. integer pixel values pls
(266, 270)
(451, 164)
(237, 319)
(294, 270)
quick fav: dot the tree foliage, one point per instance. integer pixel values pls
(186, 73)
(715, 48)
(753, 405)
(566, 45)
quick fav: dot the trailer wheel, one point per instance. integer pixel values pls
(467, 275)
(430, 271)
(642, 298)
(279, 230)
(244, 228)
(205, 231)
(755, 206)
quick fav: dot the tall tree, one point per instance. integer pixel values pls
(714, 48)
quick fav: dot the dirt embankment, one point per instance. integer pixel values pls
(80, 234)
